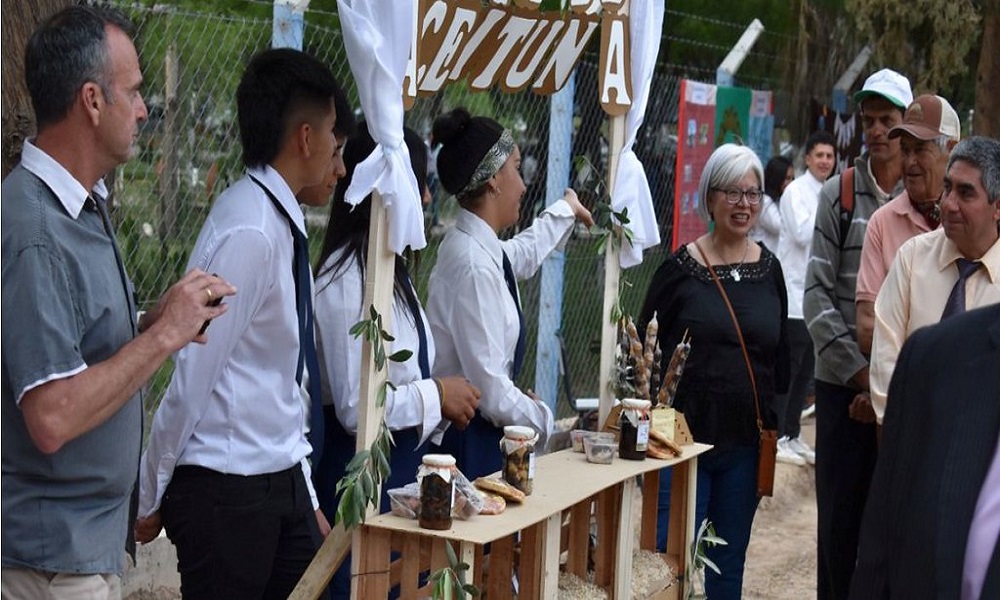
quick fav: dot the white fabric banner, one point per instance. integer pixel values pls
(377, 36)
(631, 189)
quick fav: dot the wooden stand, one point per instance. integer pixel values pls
(527, 540)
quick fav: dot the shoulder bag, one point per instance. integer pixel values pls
(768, 437)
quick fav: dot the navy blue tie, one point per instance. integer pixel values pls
(418, 321)
(956, 300)
(307, 341)
(508, 274)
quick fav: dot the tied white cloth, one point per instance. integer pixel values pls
(377, 37)
(631, 189)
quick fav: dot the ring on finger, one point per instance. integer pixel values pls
(208, 291)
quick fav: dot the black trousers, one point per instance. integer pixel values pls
(845, 460)
(789, 406)
(239, 537)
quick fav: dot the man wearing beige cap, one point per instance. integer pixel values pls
(940, 274)
(929, 131)
(845, 425)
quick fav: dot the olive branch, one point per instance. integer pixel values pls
(611, 227)
(705, 539)
(369, 468)
(449, 582)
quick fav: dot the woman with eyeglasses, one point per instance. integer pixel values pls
(716, 393)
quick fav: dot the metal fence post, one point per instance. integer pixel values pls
(550, 297)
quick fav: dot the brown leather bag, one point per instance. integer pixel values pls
(768, 444)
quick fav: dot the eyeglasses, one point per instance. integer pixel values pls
(753, 195)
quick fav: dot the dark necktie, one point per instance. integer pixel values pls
(418, 321)
(508, 274)
(307, 342)
(956, 301)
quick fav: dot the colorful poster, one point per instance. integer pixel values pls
(761, 125)
(695, 142)
(732, 115)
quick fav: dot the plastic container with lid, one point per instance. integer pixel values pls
(518, 448)
(634, 429)
(437, 491)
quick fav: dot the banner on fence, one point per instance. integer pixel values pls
(708, 117)
(695, 142)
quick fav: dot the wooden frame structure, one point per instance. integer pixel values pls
(539, 523)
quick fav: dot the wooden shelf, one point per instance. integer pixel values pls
(565, 485)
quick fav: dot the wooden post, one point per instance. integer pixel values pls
(169, 175)
(612, 276)
(378, 293)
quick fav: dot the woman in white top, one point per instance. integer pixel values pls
(416, 408)
(474, 306)
(777, 175)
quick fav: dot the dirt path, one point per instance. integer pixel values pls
(781, 560)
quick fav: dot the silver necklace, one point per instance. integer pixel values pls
(735, 271)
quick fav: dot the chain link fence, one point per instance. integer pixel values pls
(189, 151)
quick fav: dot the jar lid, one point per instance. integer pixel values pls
(439, 460)
(518, 432)
(636, 404)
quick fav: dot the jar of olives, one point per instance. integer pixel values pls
(634, 429)
(518, 448)
(437, 491)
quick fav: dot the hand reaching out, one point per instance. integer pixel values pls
(184, 309)
(579, 210)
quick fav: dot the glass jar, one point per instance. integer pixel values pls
(437, 491)
(518, 448)
(634, 429)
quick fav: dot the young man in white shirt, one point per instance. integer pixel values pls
(226, 464)
(798, 218)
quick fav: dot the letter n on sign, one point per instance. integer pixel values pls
(616, 66)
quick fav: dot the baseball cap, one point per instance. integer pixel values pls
(888, 84)
(928, 117)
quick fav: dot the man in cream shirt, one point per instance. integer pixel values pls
(945, 272)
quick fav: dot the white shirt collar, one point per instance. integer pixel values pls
(476, 228)
(67, 188)
(277, 185)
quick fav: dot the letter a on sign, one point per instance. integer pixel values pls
(616, 68)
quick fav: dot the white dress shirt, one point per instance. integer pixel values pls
(415, 401)
(474, 318)
(233, 404)
(798, 219)
(768, 227)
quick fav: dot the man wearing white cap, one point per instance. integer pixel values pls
(942, 273)
(845, 423)
(929, 131)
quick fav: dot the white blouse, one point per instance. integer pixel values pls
(474, 318)
(338, 306)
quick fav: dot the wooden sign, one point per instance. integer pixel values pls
(616, 66)
(513, 45)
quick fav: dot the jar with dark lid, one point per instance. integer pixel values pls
(437, 491)
(634, 429)
(518, 449)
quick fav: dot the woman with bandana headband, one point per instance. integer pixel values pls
(474, 307)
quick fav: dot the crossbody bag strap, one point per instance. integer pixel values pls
(739, 333)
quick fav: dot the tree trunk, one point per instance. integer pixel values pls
(987, 117)
(19, 19)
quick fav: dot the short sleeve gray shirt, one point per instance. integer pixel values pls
(66, 305)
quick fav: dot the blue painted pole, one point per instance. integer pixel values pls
(289, 24)
(551, 290)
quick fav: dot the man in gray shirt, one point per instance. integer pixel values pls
(75, 354)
